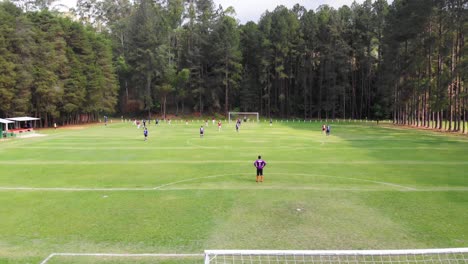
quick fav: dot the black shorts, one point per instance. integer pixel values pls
(259, 172)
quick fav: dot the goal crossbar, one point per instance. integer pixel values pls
(333, 256)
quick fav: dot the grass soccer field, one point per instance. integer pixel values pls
(102, 189)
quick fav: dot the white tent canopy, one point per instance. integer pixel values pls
(5, 121)
(26, 120)
(23, 118)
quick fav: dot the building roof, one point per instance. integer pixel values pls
(4, 121)
(23, 118)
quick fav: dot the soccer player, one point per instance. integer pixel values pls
(271, 122)
(219, 125)
(328, 130)
(323, 129)
(259, 164)
(145, 133)
(105, 120)
(202, 131)
(237, 126)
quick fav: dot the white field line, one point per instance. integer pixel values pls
(351, 162)
(161, 187)
(357, 179)
(297, 174)
(324, 189)
(48, 258)
(71, 189)
(93, 147)
(125, 255)
(193, 179)
(255, 187)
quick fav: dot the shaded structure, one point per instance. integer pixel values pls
(4, 122)
(22, 124)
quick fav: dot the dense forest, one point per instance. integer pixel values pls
(405, 61)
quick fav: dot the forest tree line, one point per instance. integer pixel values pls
(53, 68)
(404, 61)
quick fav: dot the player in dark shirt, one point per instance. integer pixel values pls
(202, 131)
(259, 164)
(145, 133)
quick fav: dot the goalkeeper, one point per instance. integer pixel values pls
(259, 164)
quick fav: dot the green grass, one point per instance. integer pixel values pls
(104, 190)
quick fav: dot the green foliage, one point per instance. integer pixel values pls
(53, 68)
(407, 58)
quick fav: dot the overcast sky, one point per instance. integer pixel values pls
(251, 10)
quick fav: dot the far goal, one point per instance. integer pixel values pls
(414, 256)
(244, 116)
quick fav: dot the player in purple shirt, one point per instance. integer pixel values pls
(202, 131)
(259, 164)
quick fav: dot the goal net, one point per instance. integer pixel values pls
(244, 116)
(451, 255)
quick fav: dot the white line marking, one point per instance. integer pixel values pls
(48, 258)
(120, 255)
(357, 162)
(356, 179)
(161, 187)
(66, 189)
(193, 179)
(305, 188)
(93, 147)
(300, 174)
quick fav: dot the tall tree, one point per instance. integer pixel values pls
(226, 56)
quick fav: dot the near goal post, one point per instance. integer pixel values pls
(433, 256)
(244, 115)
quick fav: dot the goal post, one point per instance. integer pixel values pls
(244, 115)
(433, 256)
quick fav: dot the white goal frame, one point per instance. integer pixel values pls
(339, 256)
(243, 113)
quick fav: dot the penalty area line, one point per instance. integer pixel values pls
(122, 255)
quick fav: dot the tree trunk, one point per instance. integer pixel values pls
(319, 103)
(148, 93)
(164, 106)
(226, 96)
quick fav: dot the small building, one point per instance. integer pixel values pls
(4, 126)
(22, 124)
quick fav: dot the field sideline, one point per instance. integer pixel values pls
(101, 189)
